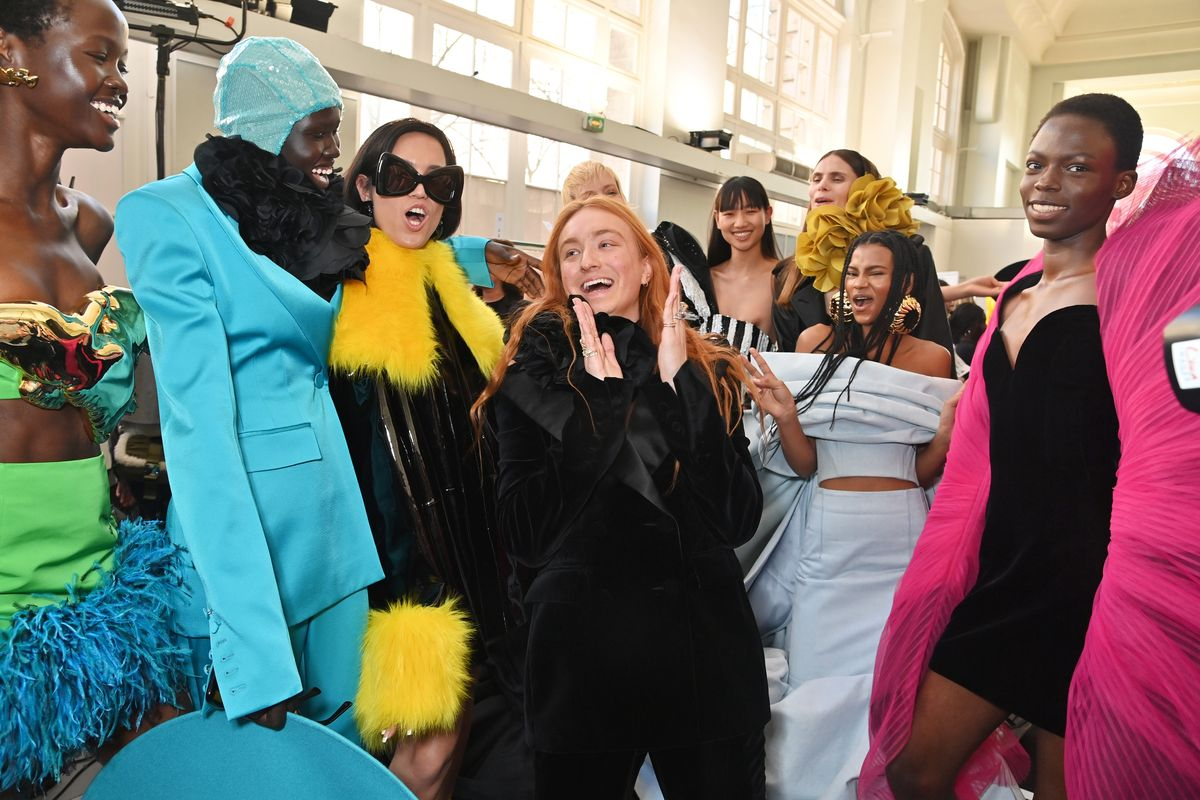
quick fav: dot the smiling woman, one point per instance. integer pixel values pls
(1029, 524)
(236, 261)
(625, 483)
(412, 349)
(85, 645)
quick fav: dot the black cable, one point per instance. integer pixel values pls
(170, 41)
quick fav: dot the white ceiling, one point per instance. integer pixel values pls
(1070, 31)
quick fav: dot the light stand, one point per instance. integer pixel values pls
(169, 40)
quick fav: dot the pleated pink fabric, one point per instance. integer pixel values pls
(943, 569)
(1133, 724)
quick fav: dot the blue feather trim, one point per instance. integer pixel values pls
(74, 672)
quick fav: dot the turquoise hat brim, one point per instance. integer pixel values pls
(199, 757)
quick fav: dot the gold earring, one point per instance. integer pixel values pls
(17, 76)
(907, 316)
(839, 308)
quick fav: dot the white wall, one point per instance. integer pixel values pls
(995, 140)
(982, 246)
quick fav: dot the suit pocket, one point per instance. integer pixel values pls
(279, 447)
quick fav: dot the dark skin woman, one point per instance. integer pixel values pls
(53, 235)
(1042, 564)
(62, 86)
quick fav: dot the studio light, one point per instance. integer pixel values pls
(710, 140)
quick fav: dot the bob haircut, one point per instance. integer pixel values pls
(735, 193)
(585, 173)
(381, 141)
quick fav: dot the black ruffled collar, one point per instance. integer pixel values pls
(312, 234)
(545, 352)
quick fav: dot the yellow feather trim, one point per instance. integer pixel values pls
(384, 326)
(415, 670)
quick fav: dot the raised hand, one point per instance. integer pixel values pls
(769, 391)
(672, 348)
(599, 354)
(507, 264)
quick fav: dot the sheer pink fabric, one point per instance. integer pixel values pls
(1133, 725)
(943, 569)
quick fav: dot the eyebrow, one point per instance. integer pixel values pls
(1068, 157)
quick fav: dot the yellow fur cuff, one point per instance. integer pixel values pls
(415, 671)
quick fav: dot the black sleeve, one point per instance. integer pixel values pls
(544, 483)
(806, 308)
(715, 466)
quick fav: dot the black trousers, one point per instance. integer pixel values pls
(729, 769)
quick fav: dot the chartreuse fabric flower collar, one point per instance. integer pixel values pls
(874, 204)
(384, 328)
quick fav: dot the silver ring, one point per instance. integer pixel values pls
(679, 315)
(587, 351)
(669, 324)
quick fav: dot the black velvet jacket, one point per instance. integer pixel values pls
(629, 499)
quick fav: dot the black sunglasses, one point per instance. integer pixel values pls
(395, 177)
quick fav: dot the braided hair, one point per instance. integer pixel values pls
(847, 339)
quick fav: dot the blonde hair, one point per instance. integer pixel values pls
(705, 352)
(587, 172)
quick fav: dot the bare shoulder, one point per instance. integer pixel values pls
(93, 223)
(813, 337)
(925, 358)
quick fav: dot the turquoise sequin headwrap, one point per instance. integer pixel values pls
(265, 85)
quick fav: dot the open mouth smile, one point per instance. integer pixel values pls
(597, 286)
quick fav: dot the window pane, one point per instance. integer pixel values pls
(550, 21)
(758, 110)
(622, 49)
(730, 93)
(550, 161)
(545, 80)
(502, 11)
(761, 39)
(823, 79)
(387, 29)
(493, 63)
(631, 7)
(453, 50)
(620, 106)
(581, 32)
(375, 111)
(733, 34)
(466, 55)
(480, 149)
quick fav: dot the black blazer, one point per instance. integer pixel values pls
(628, 499)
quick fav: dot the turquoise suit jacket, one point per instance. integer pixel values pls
(264, 496)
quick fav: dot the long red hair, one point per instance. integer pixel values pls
(706, 352)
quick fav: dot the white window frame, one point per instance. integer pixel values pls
(951, 53)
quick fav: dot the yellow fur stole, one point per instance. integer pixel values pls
(416, 671)
(384, 327)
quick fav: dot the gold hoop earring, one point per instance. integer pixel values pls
(17, 76)
(840, 309)
(907, 316)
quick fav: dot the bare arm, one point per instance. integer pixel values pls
(931, 458)
(773, 397)
(983, 286)
(93, 225)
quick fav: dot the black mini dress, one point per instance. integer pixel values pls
(1015, 638)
